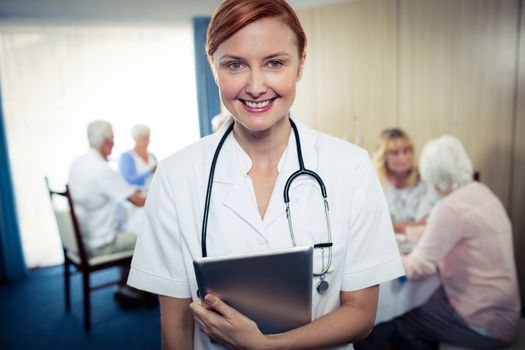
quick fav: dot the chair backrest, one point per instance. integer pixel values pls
(68, 227)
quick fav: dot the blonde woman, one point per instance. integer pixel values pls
(409, 198)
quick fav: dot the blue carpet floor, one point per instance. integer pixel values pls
(32, 316)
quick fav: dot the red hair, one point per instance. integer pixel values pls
(233, 15)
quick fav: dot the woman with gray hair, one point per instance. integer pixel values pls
(468, 242)
(138, 165)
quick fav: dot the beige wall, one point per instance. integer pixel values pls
(350, 82)
(430, 67)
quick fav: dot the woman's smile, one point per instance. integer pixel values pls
(257, 106)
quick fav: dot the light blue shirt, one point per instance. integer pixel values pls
(128, 169)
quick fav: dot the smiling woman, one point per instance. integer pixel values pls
(56, 79)
(257, 52)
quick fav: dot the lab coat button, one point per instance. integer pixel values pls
(261, 241)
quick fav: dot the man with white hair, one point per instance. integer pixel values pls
(107, 222)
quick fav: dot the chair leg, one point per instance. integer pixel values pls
(67, 285)
(86, 300)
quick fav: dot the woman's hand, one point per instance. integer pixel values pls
(226, 325)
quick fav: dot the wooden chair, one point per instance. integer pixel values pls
(76, 257)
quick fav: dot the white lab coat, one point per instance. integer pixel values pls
(364, 250)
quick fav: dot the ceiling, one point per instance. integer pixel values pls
(119, 10)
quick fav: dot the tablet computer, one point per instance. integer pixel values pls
(273, 288)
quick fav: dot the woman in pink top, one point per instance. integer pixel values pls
(468, 242)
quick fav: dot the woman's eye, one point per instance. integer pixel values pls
(275, 64)
(394, 153)
(235, 65)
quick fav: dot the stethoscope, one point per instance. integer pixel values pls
(323, 285)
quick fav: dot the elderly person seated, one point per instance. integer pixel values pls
(99, 193)
(468, 242)
(138, 165)
(409, 198)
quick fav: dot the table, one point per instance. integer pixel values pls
(399, 296)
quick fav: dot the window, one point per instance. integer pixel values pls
(56, 79)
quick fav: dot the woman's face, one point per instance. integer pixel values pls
(399, 157)
(143, 140)
(257, 70)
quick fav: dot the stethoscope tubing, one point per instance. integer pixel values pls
(208, 190)
(302, 171)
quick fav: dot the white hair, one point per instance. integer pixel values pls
(97, 132)
(139, 130)
(445, 164)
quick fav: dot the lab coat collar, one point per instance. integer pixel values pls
(228, 173)
(240, 199)
(225, 174)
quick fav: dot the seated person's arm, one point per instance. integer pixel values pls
(413, 234)
(421, 214)
(441, 234)
(401, 226)
(129, 172)
(138, 198)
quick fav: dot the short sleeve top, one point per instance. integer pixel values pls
(364, 249)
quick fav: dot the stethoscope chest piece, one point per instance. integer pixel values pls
(322, 286)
